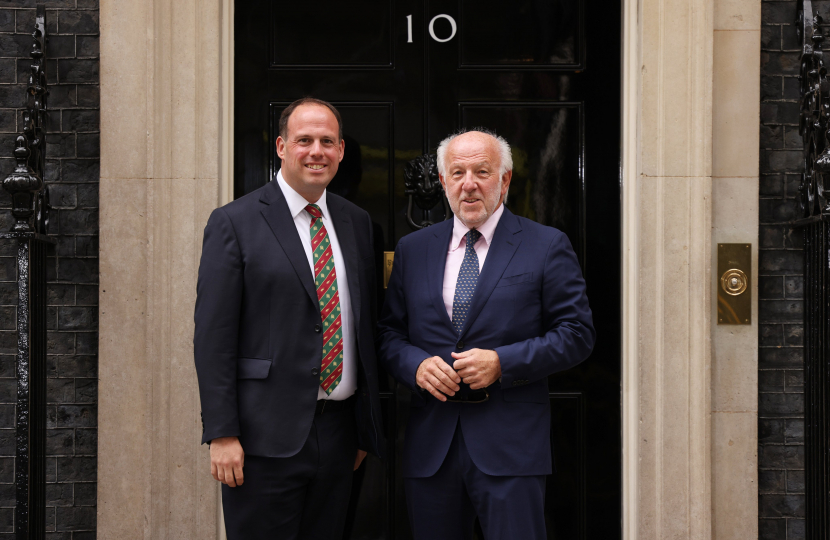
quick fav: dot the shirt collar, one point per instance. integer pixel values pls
(296, 202)
(487, 229)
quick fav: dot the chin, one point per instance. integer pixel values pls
(319, 180)
(473, 220)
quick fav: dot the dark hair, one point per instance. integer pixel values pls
(286, 114)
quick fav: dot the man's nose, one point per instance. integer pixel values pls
(316, 148)
(469, 184)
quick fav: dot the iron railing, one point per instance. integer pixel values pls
(30, 208)
(814, 220)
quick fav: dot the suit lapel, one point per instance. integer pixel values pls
(504, 246)
(279, 219)
(348, 247)
(437, 248)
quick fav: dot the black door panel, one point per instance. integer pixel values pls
(406, 73)
(527, 33)
(330, 34)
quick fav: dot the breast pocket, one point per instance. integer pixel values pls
(253, 368)
(515, 280)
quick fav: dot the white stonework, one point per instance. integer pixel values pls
(162, 84)
(690, 180)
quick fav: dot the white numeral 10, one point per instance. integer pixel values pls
(453, 27)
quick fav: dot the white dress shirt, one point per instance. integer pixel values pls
(302, 220)
(458, 245)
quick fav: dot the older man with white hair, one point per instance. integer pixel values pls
(479, 311)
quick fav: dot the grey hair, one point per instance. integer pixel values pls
(504, 150)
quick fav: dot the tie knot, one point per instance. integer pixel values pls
(314, 210)
(472, 237)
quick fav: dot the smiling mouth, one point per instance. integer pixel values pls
(469, 201)
(315, 167)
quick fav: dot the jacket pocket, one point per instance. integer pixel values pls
(252, 368)
(513, 280)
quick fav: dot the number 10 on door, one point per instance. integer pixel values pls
(453, 28)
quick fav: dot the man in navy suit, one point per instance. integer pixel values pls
(479, 311)
(284, 341)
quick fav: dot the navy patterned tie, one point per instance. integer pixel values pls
(465, 287)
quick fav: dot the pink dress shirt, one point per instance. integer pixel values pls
(458, 245)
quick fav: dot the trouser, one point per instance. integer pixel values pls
(444, 506)
(305, 496)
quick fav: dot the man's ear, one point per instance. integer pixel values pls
(342, 149)
(443, 183)
(505, 180)
(281, 148)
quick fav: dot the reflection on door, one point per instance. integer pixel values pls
(406, 73)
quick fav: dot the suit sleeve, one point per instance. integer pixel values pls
(400, 358)
(218, 304)
(568, 326)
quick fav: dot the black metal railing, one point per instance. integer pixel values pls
(814, 221)
(30, 208)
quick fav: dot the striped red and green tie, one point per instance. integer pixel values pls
(325, 278)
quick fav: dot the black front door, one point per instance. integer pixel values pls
(406, 73)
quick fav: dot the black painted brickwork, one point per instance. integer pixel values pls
(781, 502)
(72, 172)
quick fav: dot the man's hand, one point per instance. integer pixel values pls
(478, 367)
(227, 460)
(437, 378)
(358, 459)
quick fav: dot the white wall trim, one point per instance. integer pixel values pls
(630, 96)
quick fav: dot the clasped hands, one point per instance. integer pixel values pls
(478, 368)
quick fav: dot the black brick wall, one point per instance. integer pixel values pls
(780, 378)
(72, 172)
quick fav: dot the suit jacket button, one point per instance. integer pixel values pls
(459, 345)
(315, 371)
(317, 328)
